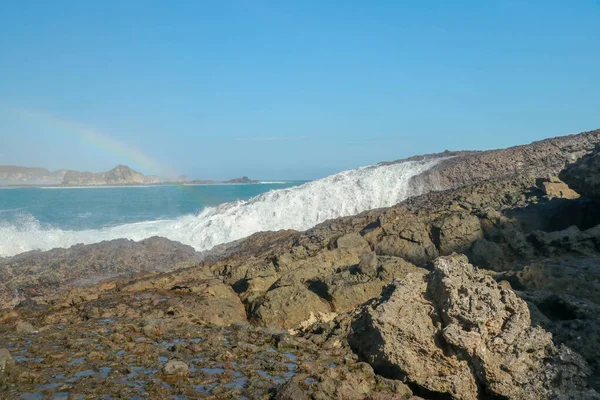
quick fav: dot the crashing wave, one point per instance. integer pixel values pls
(301, 207)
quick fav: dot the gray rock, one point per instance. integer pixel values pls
(457, 331)
(290, 391)
(176, 367)
(6, 360)
(368, 264)
(583, 176)
(289, 306)
(24, 327)
(354, 242)
(456, 233)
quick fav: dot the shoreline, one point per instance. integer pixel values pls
(128, 185)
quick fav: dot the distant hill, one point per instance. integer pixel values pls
(119, 175)
(243, 179)
(13, 175)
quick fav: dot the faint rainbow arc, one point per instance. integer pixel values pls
(101, 141)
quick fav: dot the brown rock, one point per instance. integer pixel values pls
(583, 176)
(24, 327)
(554, 187)
(176, 367)
(289, 306)
(6, 360)
(488, 255)
(290, 391)
(456, 233)
(460, 323)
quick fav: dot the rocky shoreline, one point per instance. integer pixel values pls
(487, 286)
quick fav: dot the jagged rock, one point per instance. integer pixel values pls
(24, 327)
(6, 360)
(397, 336)
(354, 242)
(368, 265)
(41, 275)
(458, 330)
(570, 240)
(575, 276)
(583, 176)
(488, 255)
(354, 286)
(289, 306)
(290, 391)
(176, 367)
(456, 233)
(554, 187)
(564, 295)
(408, 239)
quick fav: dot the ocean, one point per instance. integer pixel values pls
(201, 216)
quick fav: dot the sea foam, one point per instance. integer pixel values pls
(300, 208)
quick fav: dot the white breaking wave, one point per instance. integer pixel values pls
(300, 208)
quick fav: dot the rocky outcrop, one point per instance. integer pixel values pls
(243, 179)
(119, 175)
(459, 333)
(40, 275)
(542, 159)
(13, 175)
(285, 306)
(584, 176)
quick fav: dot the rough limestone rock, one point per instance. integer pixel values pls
(176, 367)
(40, 275)
(406, 238)
(456, 232)
(6, 360)
(486, 254)
(354, 286)
(290, 391)
(289, 306)
(554, 187)
(564, 293)
(353, 242)
(460, 333)
(583, 176)
(24, 327)
(397, 336)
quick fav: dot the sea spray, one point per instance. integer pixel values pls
(300, 208)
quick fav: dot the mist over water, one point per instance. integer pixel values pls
(298, 207)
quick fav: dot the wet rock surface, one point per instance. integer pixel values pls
(115, 358)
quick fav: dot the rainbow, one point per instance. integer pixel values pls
(99, 141)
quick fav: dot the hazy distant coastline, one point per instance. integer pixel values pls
(121, 175)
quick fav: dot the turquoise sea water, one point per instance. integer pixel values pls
(201, 216)
(101, 207)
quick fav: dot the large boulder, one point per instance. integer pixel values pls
(583, 176)
(6, 360)
(456, 232)
(353, 286)
(554, 187)
(410, 239)
(289, 306)
(459, 333)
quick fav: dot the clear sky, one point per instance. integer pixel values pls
(288, 89)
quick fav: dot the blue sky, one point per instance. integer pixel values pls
(288, 89)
